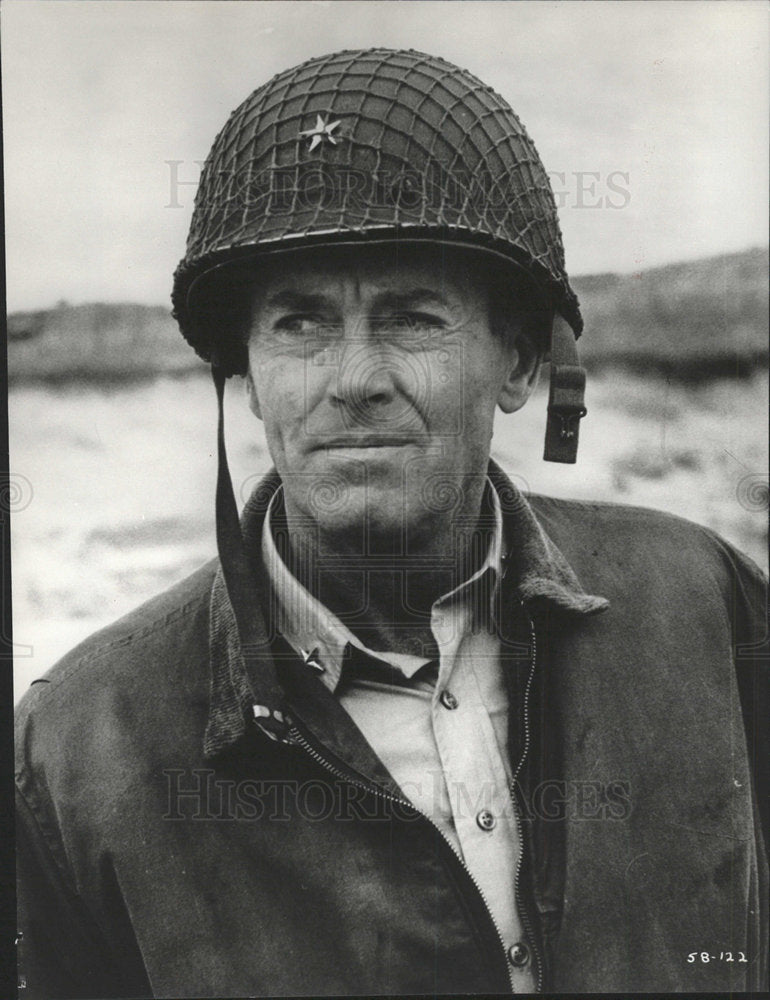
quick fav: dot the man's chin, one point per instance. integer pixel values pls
(349, 511)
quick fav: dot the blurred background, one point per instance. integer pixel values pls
(652, 120)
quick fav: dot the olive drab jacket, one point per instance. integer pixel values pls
(167, 847)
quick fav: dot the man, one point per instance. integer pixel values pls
(412, 732)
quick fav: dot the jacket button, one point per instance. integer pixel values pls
(448, 700)
(486, 820)
(518, 954)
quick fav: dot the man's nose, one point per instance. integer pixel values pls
(376, 383)
(366, 376)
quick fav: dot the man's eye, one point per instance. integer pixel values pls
(301, 325)
(413, 323)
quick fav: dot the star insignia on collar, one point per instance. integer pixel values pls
(321, 131)
(311, 659)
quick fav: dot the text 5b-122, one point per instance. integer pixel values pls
(723, 956)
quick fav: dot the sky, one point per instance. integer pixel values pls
(651, 117)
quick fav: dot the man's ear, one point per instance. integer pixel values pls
(525, 359)
(251, 391)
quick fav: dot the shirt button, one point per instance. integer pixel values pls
(448, 700)
(518, 954)
(486, 820)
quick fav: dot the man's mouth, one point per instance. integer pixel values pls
(366, 441)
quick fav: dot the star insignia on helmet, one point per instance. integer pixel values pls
(321, 131)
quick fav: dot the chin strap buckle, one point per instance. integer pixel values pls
(568, 421)
(566, 403)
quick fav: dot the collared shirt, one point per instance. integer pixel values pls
(446, 744)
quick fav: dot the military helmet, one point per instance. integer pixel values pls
(362, 146)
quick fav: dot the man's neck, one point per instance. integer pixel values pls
(384, 587)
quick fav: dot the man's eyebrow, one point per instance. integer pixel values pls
(288, 298)
(387, 301)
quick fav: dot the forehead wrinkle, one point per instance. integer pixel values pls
(410, 299)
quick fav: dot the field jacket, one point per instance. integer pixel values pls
(167, 847)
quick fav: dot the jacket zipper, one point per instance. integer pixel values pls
(298, 738)
(521, 908)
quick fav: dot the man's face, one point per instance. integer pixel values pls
(377, 377)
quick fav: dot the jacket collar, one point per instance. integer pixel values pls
(535, 565)
(534, 568)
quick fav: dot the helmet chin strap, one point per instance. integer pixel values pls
(269, 714)
(566, 403)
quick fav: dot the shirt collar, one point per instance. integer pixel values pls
(532, 566)
(318, 634)
(306, 624)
